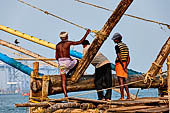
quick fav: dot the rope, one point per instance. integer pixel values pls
(105, 89)
(46, 12)
(160, 23)
(168, 63)
(157, 64)
(113, 88)
(148, 77)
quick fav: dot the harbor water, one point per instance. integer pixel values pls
(8, 101)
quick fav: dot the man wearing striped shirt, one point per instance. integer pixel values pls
(121, 63)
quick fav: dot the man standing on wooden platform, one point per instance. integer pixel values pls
(121, 64)
(63, 56)
(103, 74)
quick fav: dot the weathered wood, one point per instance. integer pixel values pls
(42, 104)
(99, 40)
(71, 110)
(168, 78)
(133, 82)
(118, 102)
(157, 64)
(87, 106)
(155, 109)
(27, 52)
(31, 92)
(45, 86)
(61, 106)
(121, 109)
(35, 85)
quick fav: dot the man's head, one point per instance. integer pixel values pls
(63, 36)
(85, 43)
(117, 37)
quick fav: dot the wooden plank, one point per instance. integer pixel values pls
(99, 40)
(156, 109)
(42, 104)
(129, 108)
(61, 106)
(117, 102)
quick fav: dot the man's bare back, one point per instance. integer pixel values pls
(63, 49)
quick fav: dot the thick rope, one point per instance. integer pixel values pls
(160, 23)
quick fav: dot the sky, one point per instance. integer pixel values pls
(144, 39)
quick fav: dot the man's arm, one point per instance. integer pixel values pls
(56, 54)
(81, 41)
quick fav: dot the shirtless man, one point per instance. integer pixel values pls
(63, 56)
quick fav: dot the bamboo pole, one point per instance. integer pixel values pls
(157, 64)
(27, 52)
(99, 40)
(42, 104)
(168, 80)
(35, 59)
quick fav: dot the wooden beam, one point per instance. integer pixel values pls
(42, 104)
(45, 87)
(61, 106)
(27, 52)
(133, 81)
(101, 37)
(168, 79)
(157, 64)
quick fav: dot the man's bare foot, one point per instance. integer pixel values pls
(128, 98)
(103, 99)
(121, 99)
(108, 100)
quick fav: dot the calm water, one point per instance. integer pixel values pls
(7, 102)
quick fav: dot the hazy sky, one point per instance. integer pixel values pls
(143, 38)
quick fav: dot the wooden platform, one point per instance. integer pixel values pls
(85, 105)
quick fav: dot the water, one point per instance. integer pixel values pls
(7, 102)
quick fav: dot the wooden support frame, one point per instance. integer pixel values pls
(45, 87)
(101, 37)
(157, 64)
(168, 79)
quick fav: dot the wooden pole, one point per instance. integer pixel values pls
(157, 64)
(61, 106)
(31, 92)
(34, 74)
(99, 40)
(168, 80)
(42, 104)
(45, 87)
(27, 52)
